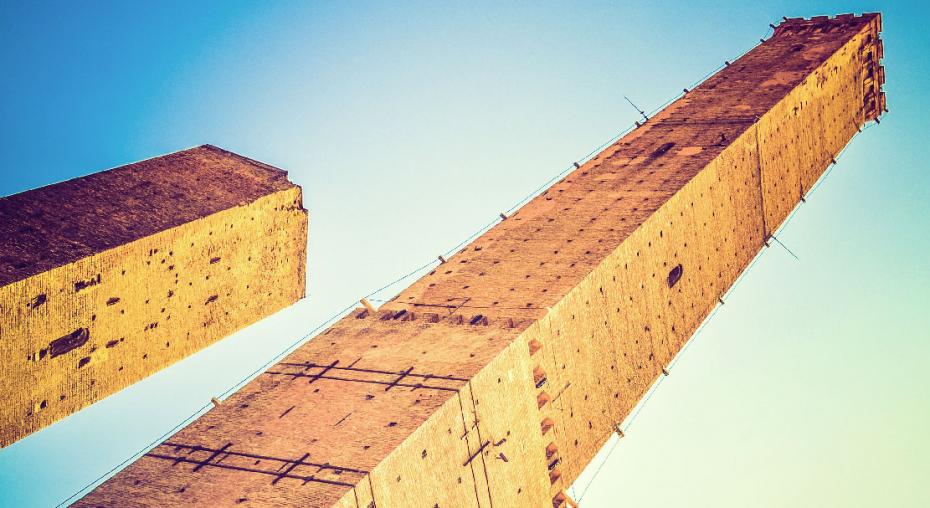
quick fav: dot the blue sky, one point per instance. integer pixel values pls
(411, 125)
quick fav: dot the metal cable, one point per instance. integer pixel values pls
(307, 336)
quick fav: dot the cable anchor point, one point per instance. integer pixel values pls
(368, 306)
(618, 430)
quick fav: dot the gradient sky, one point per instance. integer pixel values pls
(411, 125)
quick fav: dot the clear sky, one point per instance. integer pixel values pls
(410, 125)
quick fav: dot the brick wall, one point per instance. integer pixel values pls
(494, 379)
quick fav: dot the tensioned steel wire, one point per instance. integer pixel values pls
(700, 328)
(344, 311)
(431, 264)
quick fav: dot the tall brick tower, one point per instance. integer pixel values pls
(494, 380)
(110, 277)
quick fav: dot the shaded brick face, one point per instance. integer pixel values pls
(495, 379)
(111, 277)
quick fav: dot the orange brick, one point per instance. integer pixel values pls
(585, 294)
(110, 277)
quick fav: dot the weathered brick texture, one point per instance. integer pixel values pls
(495, 379)
(108, 278)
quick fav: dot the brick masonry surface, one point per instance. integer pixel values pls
(110, 277)
(494, 379)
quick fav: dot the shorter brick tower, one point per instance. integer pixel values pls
(110, 277)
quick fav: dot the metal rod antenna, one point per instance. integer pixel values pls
(641, 112)
(786, 248)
